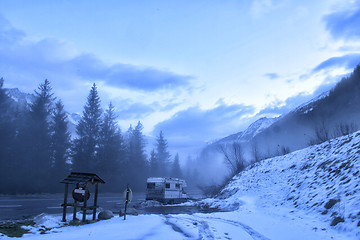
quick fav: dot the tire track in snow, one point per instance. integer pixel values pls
(176, 228)
(204, 231)
(254, 234)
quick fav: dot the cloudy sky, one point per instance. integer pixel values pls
(198, 70)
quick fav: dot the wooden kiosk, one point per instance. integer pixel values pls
(81, 193)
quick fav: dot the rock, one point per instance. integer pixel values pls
(129, 211)
(358, 224)
(337, 220)
(331, 203)
(325, 212)
(148, 203)
(105, 214)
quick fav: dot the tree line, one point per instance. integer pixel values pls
(37, 150)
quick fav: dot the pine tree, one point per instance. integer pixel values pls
(87, 143)
(154, 164)
(38, 135)
(7, 138)
(176, 170)
(137, 164)
(60, 141)
(111, 148)
(4, 124)
(162, 155)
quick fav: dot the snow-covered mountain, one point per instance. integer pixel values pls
(245, 136)
(20, 99)
(271, 125)
(23, 100)
(328, 114)
(19, 96)
(309, 106)
(322, 180)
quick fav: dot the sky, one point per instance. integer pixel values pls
(196, 70)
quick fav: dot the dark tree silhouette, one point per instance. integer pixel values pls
(162, 155)
(137, 164)
(111, 150)
(7, 140)
(38, 158)
(154, 164)
(86, 144)
(60, 142)
(233, 157)
(176, 170)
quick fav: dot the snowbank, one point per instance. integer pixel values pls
(304, 180)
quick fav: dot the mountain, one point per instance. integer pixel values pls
(210, 163)
(321, 180)
(331, 114)
(23, 100)
(328, 116)
(254, 129)
(20, 100)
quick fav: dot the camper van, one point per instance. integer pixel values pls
(167, 190)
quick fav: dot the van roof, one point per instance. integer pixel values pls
(167, 180)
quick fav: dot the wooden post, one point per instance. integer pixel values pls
(75, 205)
(65, 202)
(95, 201)
(85, 205)
(126, 200)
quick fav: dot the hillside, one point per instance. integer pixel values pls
(305, 180)
(329, 115)
(328, 112)
(245, 136)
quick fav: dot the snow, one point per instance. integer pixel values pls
(254, 129)
(308, 106)
(257, 127)
(247, 222)
(134, 227)
(304, 181)
(20, 97)
(280, 198)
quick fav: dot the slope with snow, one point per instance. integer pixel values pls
(309, 106)
(20, 97)
(255, 128)
(305, 180)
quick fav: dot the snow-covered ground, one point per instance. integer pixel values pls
(303, 182)
(247, 222)
(278, 198)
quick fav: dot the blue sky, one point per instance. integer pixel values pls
(198, 70)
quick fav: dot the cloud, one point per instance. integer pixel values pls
(194, 123)
(283, 107)
(126, 75)
(271, 76)
(348, 61)
(127, 109)
(260, 7)
(7, 33)
(344, 24)
(133, 111)
(57, 60)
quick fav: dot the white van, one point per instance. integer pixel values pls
(167, 190)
